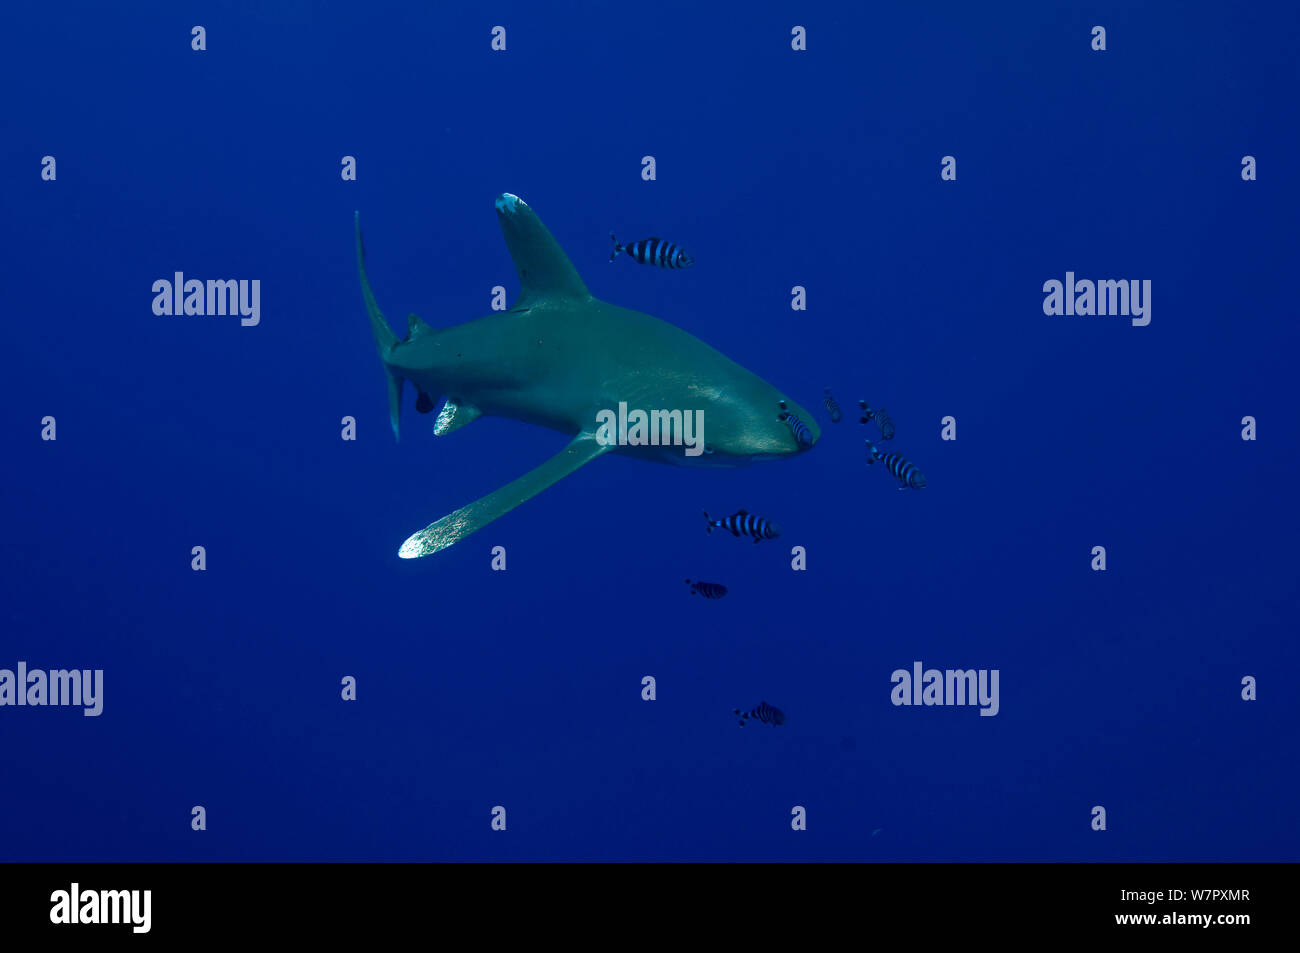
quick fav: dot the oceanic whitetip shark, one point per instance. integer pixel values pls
(560, 357)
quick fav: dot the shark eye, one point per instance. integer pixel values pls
(708, 448)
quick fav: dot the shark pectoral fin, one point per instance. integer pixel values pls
(469, 519)
(453, 416)
(544, 269)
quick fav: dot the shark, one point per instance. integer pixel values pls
(558, 359)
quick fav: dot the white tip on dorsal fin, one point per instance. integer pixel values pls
(453, 416)
(544, 269)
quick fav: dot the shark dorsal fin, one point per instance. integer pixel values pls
(544, 269)
(415, 328)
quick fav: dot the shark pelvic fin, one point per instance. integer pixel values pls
(453, 416)
(469, 519)
(544, 269)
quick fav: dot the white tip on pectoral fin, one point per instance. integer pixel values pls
(509, 203)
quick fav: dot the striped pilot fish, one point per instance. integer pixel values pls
(709, 590)
(904, 470)
(797, 426)
(767, 714)
(882, 419)
(745, 523)
(653, 251)
(833, 408)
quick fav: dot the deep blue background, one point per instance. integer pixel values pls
(521, 688)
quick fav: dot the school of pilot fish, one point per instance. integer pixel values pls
(661, 253)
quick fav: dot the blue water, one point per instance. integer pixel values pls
(522, 689)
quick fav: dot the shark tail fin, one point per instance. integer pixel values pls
(617, 247)
(385, 339)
